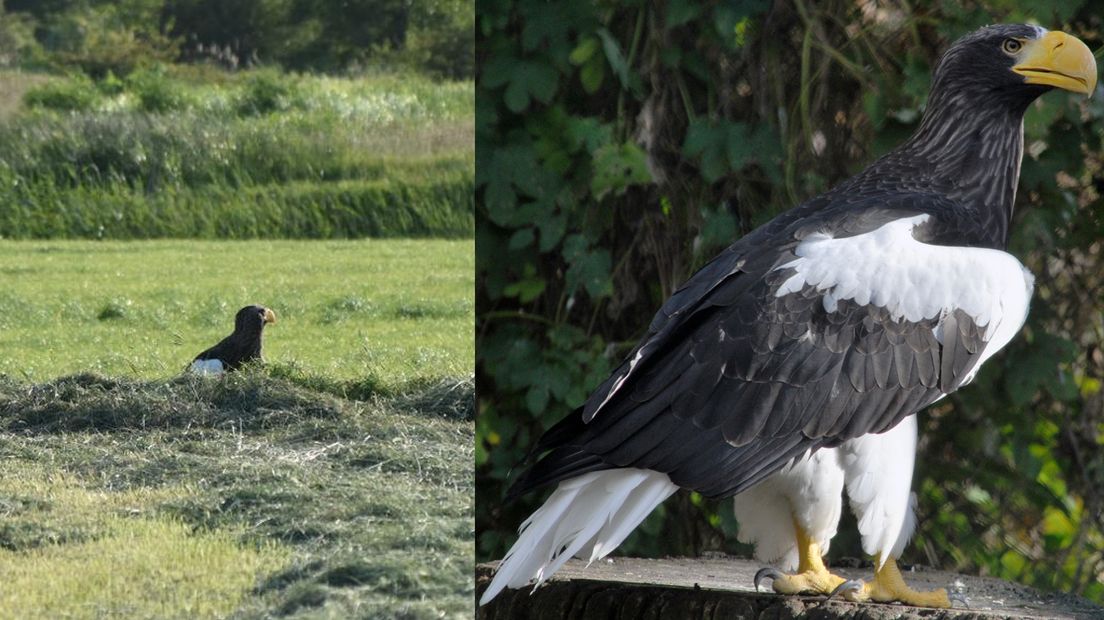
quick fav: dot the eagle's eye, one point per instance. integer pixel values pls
(1012, 46)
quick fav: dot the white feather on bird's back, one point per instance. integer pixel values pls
(913, 280)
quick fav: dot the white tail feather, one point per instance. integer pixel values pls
(585, 517)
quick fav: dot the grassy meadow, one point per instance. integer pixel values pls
(334, 482)
(183, 152)
(137, 215)
(393, 312)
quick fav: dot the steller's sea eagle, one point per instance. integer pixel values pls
(241, 346)
(790, 367)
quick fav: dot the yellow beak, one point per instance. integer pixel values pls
(270, 316)
(1060, 60)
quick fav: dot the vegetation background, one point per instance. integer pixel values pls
(163, 163)
(266, 118)
(620, 145)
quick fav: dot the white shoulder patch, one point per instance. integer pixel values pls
(207, 367)
(889, 268)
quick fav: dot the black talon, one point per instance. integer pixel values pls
(958, 597)
(850, 584)
(767, 573)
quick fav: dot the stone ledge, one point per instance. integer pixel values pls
(718, 587)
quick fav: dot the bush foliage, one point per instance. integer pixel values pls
(261, 154)
(121, 36)
(618, 148)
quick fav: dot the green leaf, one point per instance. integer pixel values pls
(551, 231)
(585, 50)
(731, 21)
(718, 229)
(725, 146)
(590, 132)
(618, 166)
(542, 80)
(507, 167)
(530, 80)
(679, 13)
(589, 269)
(516, 96)
(536, 399)
(739, 146)
(617, 62)
(592, 74)
(526, 289)
(544, 24)
(705, 143)
(497, 71)
(521, 239)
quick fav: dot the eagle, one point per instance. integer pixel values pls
(241, 346)
(790, 368)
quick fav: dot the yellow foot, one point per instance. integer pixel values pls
(816, 581)
(812, 576)
(888, 586)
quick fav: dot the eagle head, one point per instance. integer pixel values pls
(253, 319)
(1015, 63)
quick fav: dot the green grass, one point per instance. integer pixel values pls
(250, 497)
(238, 155)
(386, 312)
(335, 481)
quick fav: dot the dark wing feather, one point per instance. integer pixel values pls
(234, 350)
(218, 352)
(733, 381)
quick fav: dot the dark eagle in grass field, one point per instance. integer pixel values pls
(243, 345)
(790, 368)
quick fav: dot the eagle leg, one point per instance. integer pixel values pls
(811, 576)
(889, 586)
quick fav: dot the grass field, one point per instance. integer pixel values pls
(390, 312)
(334, 482)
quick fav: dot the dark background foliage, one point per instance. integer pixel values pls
(432, 36)
(620, 145)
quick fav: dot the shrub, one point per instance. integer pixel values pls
(110, 85)
(268, 91)
(18, 46)
(71, 94)
(156, 92)
(98, 40)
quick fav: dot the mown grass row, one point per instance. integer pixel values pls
(251, 496)
(309, 157)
